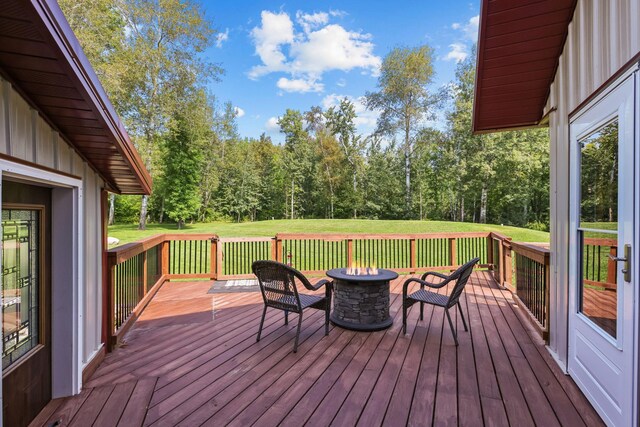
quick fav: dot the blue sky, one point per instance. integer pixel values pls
(298, 54)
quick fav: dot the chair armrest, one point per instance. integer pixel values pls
(433, 273)
(320, 284)
(407, 282)
(445, 278)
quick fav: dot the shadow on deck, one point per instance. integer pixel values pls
(192, 359)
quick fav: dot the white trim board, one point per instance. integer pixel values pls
(67, 271)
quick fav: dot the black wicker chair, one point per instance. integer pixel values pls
(278, 286)
(460, 277)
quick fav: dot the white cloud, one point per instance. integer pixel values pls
(365, 119)
(471, 28)
(311, 21)
(239, 112)
(334, 48)
(468, 33)
(341, 82)
(271, 126)
(338, 13)
(299, 85)
(221, 38)
(276, 30)
(306, 53)
(457, 53)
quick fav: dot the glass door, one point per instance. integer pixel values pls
(601, 289)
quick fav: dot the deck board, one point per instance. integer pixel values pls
(192, 359)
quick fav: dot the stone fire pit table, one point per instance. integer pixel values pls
(361, 302)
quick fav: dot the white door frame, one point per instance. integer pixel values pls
(67, 269)
(621, 102)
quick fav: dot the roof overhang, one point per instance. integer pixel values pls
(519, 45)
(41, 57)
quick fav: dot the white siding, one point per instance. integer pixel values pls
(603, 36)
(25, 135)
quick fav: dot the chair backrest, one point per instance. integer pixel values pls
(461, 276)
(277, 284)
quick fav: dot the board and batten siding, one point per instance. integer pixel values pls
(26, 136)
(603, 36)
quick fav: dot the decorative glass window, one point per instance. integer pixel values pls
(20, 283)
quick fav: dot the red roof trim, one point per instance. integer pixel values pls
(45, 64)
(518, 54)
(69, 46)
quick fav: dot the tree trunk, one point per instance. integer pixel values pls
(292, 191)
(161, 218)
(331, 205)
(112, 208)
(142, 223)
(483, 204)
(407, 175)
(355, 194)
(180, 224)
(612, 196)
(462, 209)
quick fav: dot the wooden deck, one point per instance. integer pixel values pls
(192, 359)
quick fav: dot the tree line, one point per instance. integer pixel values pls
(203, 169)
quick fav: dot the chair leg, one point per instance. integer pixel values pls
(286, 317)
(295, 344)
(326, 320)
(453, 331)
(421, 311)
(462, 315)
(404, 318)
(264, 312)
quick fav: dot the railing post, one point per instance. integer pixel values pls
(213, 257)
(220, 259)
(349, 252)
(164, 249)
(273, 249)
(547, 295)
(278, 249)
(413, 257)
(142, 290)
(507, 265)
(453, 256)
(490, 251)
(501, 266)
(111, 282)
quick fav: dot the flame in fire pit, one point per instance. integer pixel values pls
(357, 270)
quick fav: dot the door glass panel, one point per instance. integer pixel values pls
(20, 283)
(598, 227)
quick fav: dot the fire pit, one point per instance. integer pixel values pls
(361, 298)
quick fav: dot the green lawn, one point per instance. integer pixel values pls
(130, 233)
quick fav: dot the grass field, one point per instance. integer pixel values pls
(130, 233)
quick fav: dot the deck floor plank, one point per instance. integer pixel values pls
(469, 406)
(512, 396)
(192, 359)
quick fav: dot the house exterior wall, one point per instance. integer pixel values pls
(26, 136)
(603, 36)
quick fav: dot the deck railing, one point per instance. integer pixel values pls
(317, 253)
(599, 270)
(532, 268)
(135, 272)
